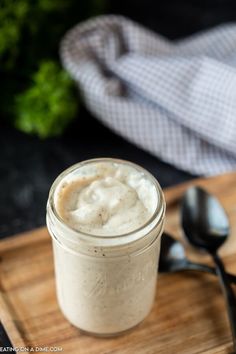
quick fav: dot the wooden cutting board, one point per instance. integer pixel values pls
(188, 316)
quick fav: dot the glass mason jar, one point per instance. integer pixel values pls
(105, 285)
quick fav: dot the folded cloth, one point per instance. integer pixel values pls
(176, 100)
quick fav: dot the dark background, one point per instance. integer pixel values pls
(29, 165)
(177, 18)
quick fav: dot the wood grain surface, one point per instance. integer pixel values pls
(188, 316)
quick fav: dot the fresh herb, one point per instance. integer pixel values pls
(37, 95)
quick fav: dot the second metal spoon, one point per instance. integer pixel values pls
(173, 259)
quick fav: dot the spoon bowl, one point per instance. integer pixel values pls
(204, 220)
(172, 252)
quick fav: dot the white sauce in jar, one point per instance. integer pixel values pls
(118, 200)
(106, 243)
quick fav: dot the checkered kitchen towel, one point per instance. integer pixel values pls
(176, 100)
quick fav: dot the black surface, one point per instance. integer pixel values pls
(177, 18)
(4, 339)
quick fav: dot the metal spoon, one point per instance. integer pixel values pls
(206, 226)
(173, 259)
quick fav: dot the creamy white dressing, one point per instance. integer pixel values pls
(115, 201)
(105, 285)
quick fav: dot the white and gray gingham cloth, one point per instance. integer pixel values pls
(176, 100)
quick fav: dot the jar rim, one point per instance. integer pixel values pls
(159, 211)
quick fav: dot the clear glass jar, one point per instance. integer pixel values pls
(105, 285)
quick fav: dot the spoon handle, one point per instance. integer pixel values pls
(208, 269)
(228, 294)
(191, 266)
